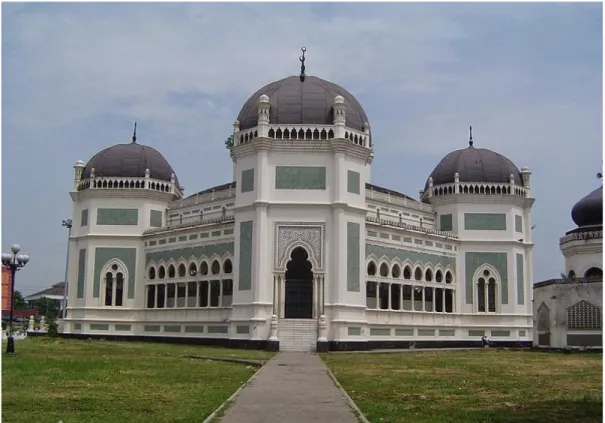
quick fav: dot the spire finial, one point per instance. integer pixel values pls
(470, 136)
(134, 133)
(302, 64)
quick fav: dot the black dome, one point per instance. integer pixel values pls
(589, 210)
(475, 165)
(294, 102)
(129, 161)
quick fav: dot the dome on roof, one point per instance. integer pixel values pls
(589, 210)
(475, 165)
(130, 161)
(295, 102)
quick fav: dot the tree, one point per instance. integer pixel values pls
(46, 307)
(229, 145)
(19, 301)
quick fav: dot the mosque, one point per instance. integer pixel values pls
(301, 251)
(568, 310)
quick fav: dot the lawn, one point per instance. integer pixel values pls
(495, 386)
(48, 380)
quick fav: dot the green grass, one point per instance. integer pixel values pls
(495, 386)
(48, 380)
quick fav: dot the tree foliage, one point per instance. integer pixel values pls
(229, 145)
(19, 302)
(46, 307)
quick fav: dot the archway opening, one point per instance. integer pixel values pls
(299, 286)
(594, 273)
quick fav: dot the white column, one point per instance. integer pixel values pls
(315, 296)
(220, 293)
(198, 285)
(443, 300)
(209, 291)
(322, 293)
(401, 307)
(389, 305)
(423, 306)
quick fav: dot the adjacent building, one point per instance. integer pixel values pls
(568, 310)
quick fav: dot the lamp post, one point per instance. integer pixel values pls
(68, 223)
(13, 262)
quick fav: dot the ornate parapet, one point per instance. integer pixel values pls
(581, 236)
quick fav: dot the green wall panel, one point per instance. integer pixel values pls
(123, 328)
(473, 332)
(218, 329)
(155, 218)
(353, 182)
(426, 332)
(242, 329)
(446, 222)
(484, 221)
(117, 216)
(353, 256)
(413, 256)
(380, 332)
(404, 332)
(194, 329)
(84, 217)
(353, 331)
(503, 333)
(128, 256)
(473, 261)
(151, 328)
(520, 280)
(300, 177)
(99, 326)
(247, 184)
(185, 253)
(81, 273)
(245, 255)
(518, 223)
(172, 328)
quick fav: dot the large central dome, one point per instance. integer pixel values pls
(296, 102)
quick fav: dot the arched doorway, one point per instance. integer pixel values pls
(299, 286)
(594, 273)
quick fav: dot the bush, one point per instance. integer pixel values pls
(52, 329)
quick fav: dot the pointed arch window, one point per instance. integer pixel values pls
(486, 293)
(114, 287)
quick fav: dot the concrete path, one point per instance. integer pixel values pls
(291, 388)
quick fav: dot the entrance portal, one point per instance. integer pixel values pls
(299, 286)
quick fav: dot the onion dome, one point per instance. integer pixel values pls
(130, 161)
(307, 100)
(589, 210)
(475, 165)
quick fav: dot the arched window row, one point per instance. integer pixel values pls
(205, 269)
(403, 297)
(113, 284)
(409, 273)
(207, 284)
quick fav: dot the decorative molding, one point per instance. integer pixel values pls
(300, 177)
(246, 239)
(353, 182)
(129, 217)
(289, 235)
(485, 221)
(155, 218)
(497, 261)
(247, 182)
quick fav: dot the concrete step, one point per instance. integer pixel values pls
(297, 334)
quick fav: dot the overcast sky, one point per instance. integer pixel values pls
(528, 77)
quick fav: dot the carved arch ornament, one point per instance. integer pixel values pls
(289, 235)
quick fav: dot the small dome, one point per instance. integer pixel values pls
(129, 161)
(589, 210)
(295, 102)
(475, 165)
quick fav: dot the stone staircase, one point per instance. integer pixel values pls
(297, 334)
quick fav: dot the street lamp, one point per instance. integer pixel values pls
(68, 223)
(13, 262)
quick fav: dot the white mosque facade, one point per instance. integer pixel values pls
(301, 251)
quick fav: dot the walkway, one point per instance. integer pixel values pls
(294, 388)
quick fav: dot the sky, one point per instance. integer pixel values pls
(75, 76)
